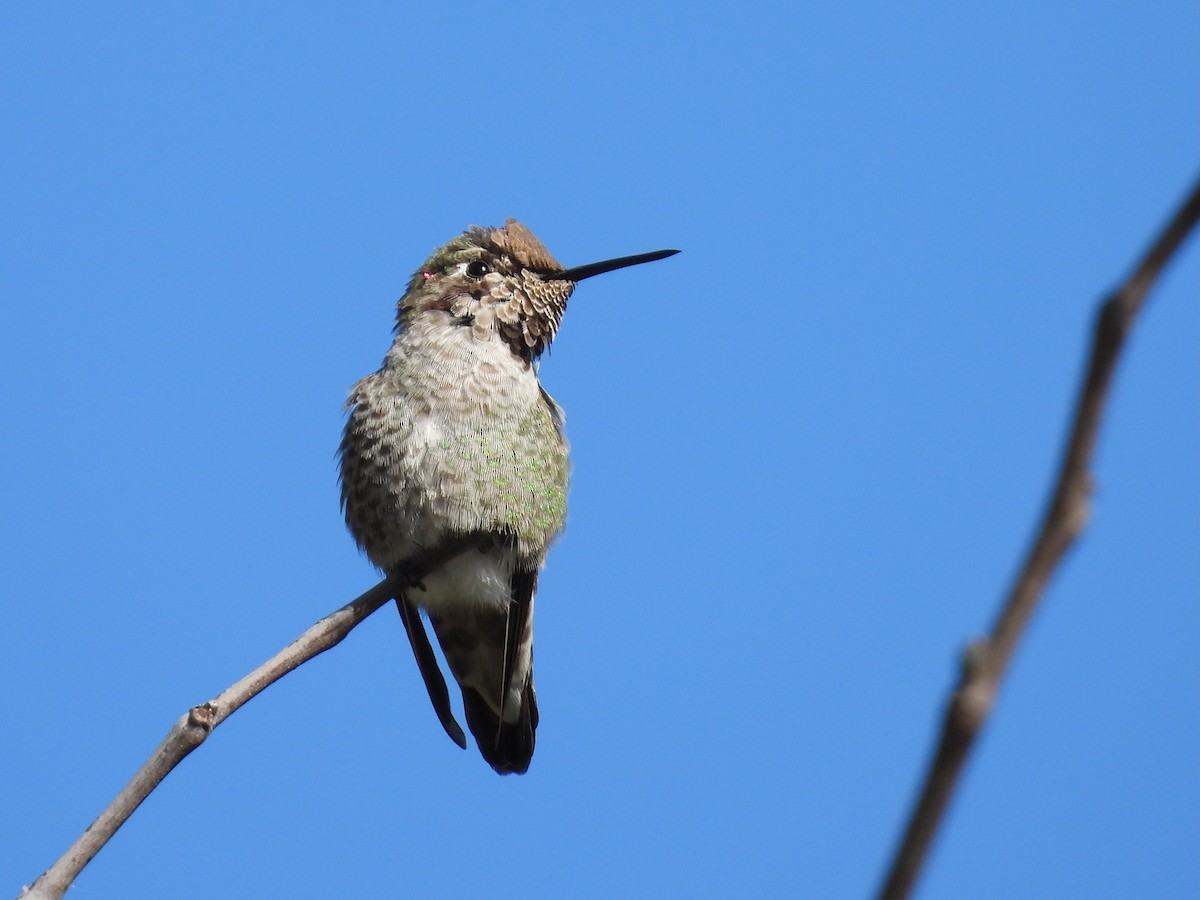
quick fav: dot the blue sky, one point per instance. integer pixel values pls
(807, 452)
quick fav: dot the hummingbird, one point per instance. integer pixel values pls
(454, 442)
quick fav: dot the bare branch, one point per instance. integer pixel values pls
(987, 659)
(198, 722)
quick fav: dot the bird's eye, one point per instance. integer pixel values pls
(478, 268)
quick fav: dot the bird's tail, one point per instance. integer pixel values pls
(507, 746)
(490, 654)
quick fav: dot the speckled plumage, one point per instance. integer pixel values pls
(454, 436)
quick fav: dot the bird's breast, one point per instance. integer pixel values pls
(455, 435)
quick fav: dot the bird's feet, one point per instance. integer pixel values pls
(410, 576)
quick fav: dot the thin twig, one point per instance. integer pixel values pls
(194, 727)
(986, 660)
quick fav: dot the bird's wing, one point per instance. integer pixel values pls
(435, 682)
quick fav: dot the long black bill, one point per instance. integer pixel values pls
(599, 268)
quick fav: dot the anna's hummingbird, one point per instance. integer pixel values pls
(455, 437)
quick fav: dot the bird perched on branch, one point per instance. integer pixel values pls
(455, 438)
